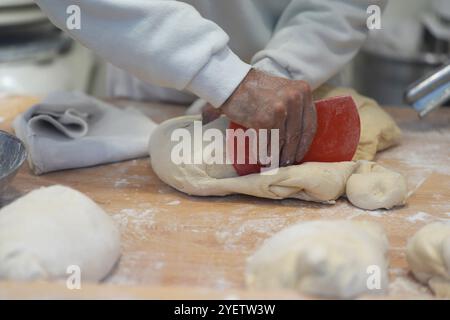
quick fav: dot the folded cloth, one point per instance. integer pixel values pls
(72, 130)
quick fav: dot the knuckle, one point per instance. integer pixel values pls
(304, 86)
(293, 95)
(279, 108)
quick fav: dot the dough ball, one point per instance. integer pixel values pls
(332, 259)
(373, 187)
(428, 254)
(50, 229)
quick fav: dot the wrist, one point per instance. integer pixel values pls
(246, 92)
(219, 78)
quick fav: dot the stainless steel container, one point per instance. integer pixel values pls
(12, 155)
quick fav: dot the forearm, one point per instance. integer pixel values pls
(315, 39)
(166, 43)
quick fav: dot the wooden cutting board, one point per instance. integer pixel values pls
(177, 246)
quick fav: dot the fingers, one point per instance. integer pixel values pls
(209, 114)
(275, 118)
(281, 126)
(265, 160)
(293, 129)
(262, 101)
(309, 127)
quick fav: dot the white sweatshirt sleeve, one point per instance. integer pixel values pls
(166, 43)
(315, 39)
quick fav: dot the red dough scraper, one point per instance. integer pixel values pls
(336, 139)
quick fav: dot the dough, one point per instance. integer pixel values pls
(428, 254)
(378, 129)
(372, 187)
(331, 259)
(321, 182)
(50, 229)
(310, 181)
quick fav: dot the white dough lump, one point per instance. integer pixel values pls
(373, 187)
(50, 229)
(334, 259)
(370, 185)
(428, 255)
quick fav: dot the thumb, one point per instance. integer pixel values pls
(209, 114)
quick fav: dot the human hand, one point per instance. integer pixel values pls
(263, 101)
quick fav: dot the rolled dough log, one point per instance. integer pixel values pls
(321, 182)
(428, 254)
(334, 259)
(50, 229)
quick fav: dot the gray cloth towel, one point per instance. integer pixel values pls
(72, 130)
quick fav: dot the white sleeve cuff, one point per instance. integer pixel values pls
(269, 66)
(219, 78)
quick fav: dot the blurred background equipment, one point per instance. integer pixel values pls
(12, 156)
(35, 57)
(431, 91)
(414, 41)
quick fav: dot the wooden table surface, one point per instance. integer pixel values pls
(178, 246)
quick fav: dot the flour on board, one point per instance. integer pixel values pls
(419, 216)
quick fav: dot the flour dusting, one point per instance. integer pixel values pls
(121, 183)
(137, 265)
(173, 203)
(419, 216)
(235, 234)
(429, 157)
(137, 221)
(406, 286)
